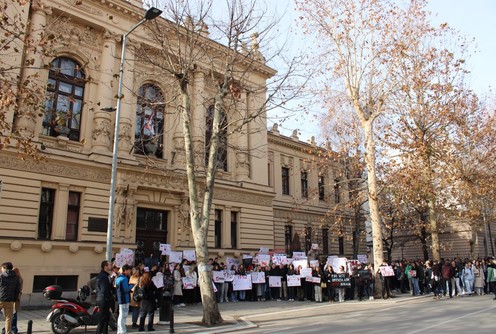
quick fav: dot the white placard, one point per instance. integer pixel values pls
(242, 282)
(189, 254)
(232, 262)
(314, 263)
(305, 272)
(218, 276)
(278, 258)
(189, 283)
(165, 249)
(258, 277)
(287, 261)
(263, 260)
(264, 250)
(294, 280)
(330, 259)
(300, 263)
(247, 256)
(175, 257)
(362, 258)
(158, 280)
(386, 271)
(275, 281)
(299, 255)
(229, 275)
(338, 262)
(315, 246)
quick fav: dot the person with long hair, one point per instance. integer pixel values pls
(148, 304)
(134, 305)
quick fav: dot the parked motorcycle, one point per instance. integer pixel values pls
(68, 313)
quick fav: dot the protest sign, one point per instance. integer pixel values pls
(315, 246)
(300, 263)
(258, 277)
(330, 259)
(165, 249)
(278, 258)
(340, 280)
(294, 280)
(264, 250)
(158, 280)
(386, 271)
(229, 275)
(189, 254)
(241, 282)
(232, 262)
(338, 262)
(263, 260)
(362, 259)
(189, 283)
(299, 255)
(314, 263)
(218, 276)
(275, 281)
(175, 257)
(306, 272)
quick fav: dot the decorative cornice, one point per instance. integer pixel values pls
(55, 168)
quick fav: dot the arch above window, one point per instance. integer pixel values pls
(148, 134)
(64, 99)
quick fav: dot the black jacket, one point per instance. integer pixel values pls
(103, 288)
(9, 286)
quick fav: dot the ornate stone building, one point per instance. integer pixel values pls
(54, 212)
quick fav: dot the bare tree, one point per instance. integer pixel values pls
(212, 58)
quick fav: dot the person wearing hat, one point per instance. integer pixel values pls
(123, 297)
(9, 293)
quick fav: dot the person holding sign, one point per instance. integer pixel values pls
(341, 290)
(317, 281)
(291, 289)
(331, 292)
(148, 304)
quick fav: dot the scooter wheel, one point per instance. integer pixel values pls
(60, 325)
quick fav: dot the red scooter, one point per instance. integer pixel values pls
(70, 313)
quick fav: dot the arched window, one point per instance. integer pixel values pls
(148, 134)
(64, 99)
(222, 148)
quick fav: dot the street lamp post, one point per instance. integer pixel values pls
(151, 14)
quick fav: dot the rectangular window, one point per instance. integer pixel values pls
(234, 229)
(325, 241)
(321, 187)
(45, 220)
(68, 283)
(341, 245)
(308, 238)
(304, 184)
(285, 180)
(71, 232)
(288, 237)
(337, 190)
(218, 229)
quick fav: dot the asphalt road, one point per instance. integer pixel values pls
(474, 315)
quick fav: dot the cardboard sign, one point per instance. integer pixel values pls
(263, 259)
(175, 257)
(362, 259)
(242, 282)
(258, 277)
(232, 262)
(294, 280)
(275, 281)
(165, 249)
(300, 263)
(306, 272)
(279, 258)
(299, 255)
(386, 271)
(189, 283)
(218, 276)
(189, 254)
(264, 250)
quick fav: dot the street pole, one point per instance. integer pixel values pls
(151, 14)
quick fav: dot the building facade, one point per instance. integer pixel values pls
(54, 212)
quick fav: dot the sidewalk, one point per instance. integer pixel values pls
(186, 319)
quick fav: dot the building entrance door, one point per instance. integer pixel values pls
(151, 231)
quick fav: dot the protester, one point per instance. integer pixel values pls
(491, 277)
(104, 297)
(10, 289)
(317, 273)
(468, 278)
(134, 305)
(123, 291)
(178, 286)
(148, 304)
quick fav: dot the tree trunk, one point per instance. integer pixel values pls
(199, 218)
(372, 194)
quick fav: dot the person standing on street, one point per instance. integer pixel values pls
(104, 297)
(123, 297)
(9, 293)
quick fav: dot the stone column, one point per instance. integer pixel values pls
(60, 212)
(26, 117)
(242, 162)
(102, 124)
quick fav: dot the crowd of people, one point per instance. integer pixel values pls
(141, 290)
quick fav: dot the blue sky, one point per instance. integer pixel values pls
(472, 18)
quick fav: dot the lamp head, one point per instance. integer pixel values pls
(152, 13)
